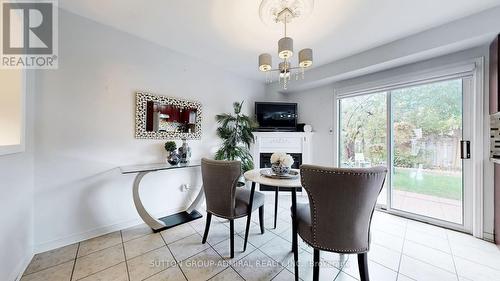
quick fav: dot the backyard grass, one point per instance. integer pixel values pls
(444, 186)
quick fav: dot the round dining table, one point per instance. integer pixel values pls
(255, 176)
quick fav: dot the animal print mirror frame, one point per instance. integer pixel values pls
(161, 117)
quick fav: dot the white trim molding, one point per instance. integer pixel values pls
(478, 149)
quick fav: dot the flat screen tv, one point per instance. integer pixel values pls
(276, 116)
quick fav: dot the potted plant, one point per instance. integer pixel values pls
(172, 157)
(236, 134)
(281, 163)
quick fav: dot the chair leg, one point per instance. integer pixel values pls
(231, 234)
(207, 227)
(363, 267)
(247, 229)
(295, 243)
(276, 206)
(261, 219)
(252, 192)
(316, 265)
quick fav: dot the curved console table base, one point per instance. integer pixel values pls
(169, 221)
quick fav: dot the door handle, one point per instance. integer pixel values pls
(465, 149)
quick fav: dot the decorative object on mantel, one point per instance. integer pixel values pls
(172, 157)
(302, 127)
(236, 134)
(281, 163)
(161, 117)
(185, 152)
(284, 11)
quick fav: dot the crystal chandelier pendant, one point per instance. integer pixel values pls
(283, 12)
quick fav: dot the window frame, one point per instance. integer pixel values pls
(471, 67)
(21, 147)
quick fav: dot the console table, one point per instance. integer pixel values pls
(169, 221)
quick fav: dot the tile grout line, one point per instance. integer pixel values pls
(405, 276)
(125, 261)
(402, 247)
(49, 267)
(99, 271)
(452, 256)
(135, 238)
(230, 265)
(185, 238)
(283, 269)
(74, 264)
(470, 260)
(428, 246)
(342, 267)
(100, 250)
(125, 255)
(175, 259)
(427, 263)
(256, 248)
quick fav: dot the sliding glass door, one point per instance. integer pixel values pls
(418, 132)
(363, 133)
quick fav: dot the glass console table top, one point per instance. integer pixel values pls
(131, 169)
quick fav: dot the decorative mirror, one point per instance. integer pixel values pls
(161, 117)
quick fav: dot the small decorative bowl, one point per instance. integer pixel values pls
(280, 170)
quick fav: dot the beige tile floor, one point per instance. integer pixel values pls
(401, 250)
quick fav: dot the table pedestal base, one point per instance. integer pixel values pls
(177, 219)
(169, 221)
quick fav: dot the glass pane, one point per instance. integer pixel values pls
(427, 168)
(363, 131)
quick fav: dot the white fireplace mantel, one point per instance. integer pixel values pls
(289, 142)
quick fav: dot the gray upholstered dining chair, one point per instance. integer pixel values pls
(338, 216)
(225, 199)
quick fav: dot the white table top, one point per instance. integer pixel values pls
(255, 176)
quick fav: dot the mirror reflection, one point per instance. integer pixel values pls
(170, 118)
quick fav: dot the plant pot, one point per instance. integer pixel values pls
(279, 169)
(173, 158)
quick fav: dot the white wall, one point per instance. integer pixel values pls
(84, 129)
(316, 108)
(16, 201)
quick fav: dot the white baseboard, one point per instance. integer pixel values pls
(19, 270)
(78, 237)
(489, 237)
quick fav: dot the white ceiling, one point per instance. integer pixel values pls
(229, 33)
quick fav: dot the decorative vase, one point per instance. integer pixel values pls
(173, 158)
(185, 152)
(279, 169)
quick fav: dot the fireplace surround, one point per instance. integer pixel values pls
(297, 144)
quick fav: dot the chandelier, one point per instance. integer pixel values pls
(284, 11)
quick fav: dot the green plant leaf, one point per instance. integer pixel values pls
(235, 130)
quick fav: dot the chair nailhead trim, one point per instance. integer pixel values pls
(314, 245)
(313, 204)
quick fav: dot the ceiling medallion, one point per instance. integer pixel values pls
(284, 11)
